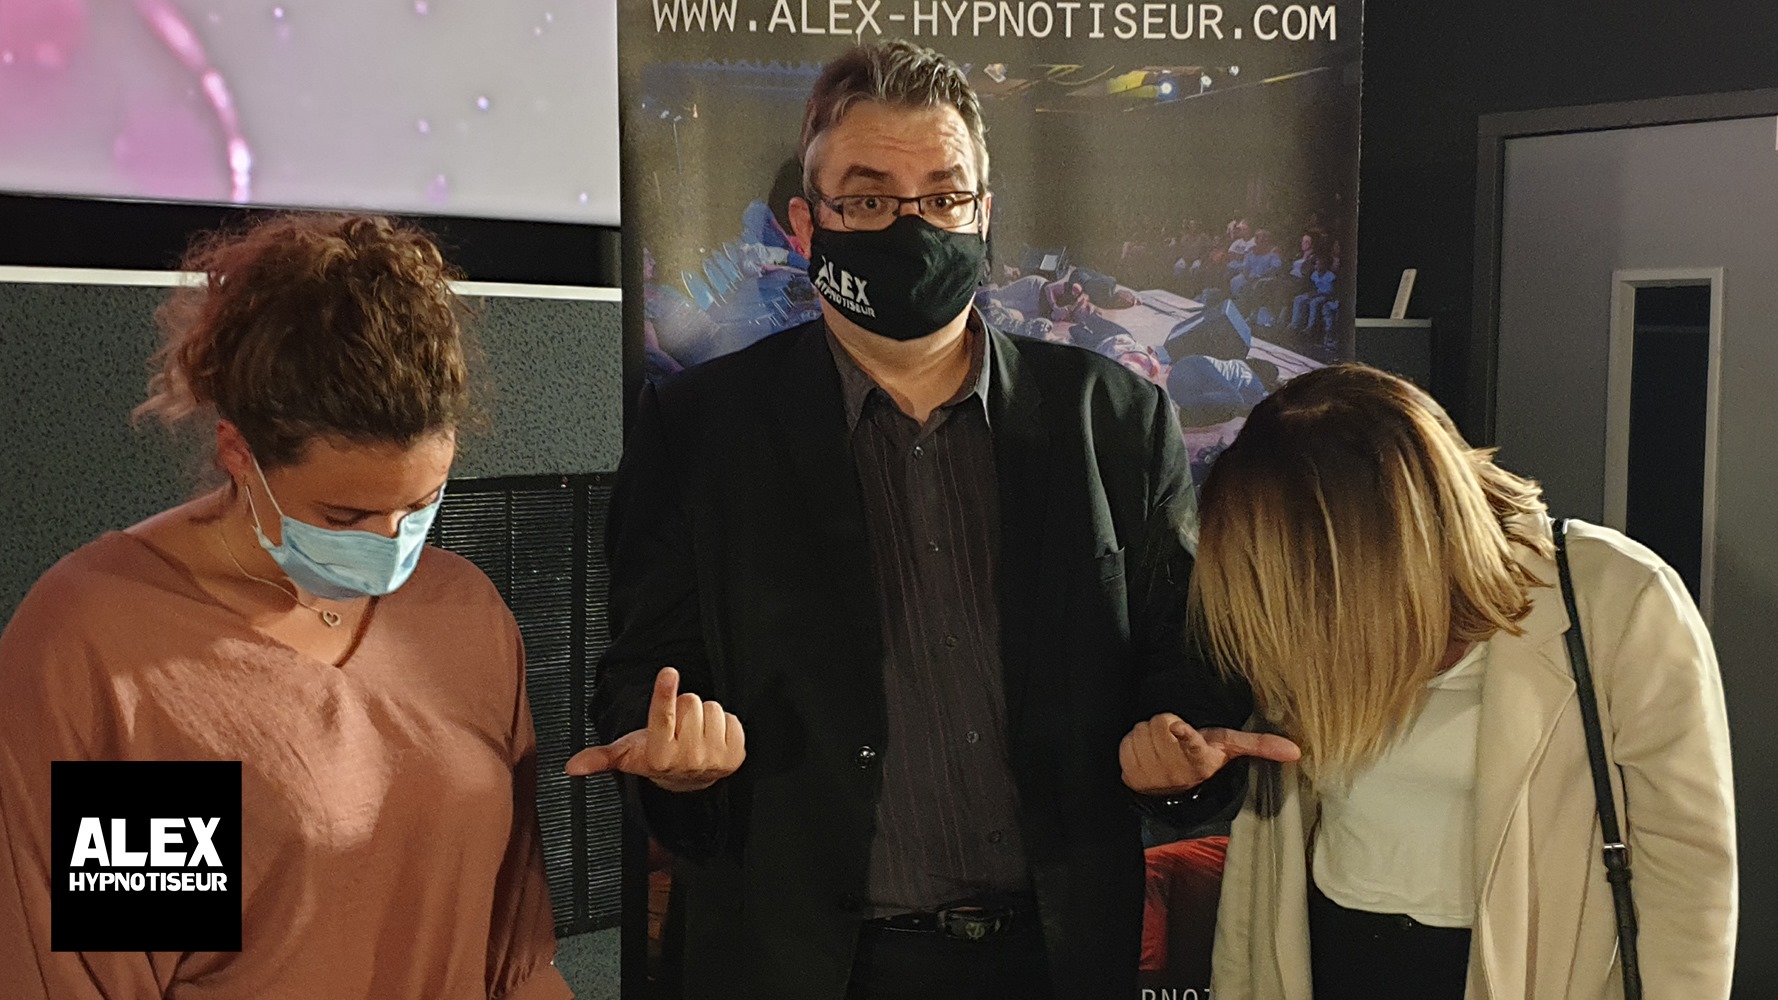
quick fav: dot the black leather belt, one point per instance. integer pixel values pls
(965, 923)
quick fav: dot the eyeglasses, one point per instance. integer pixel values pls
(870, 212)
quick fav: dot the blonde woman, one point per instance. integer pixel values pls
(1391, 596)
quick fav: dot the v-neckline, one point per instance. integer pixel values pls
(184, 572)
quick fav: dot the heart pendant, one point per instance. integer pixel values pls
(332, 618)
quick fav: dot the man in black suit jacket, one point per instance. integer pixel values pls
(941, 573)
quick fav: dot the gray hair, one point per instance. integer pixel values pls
(897, 73)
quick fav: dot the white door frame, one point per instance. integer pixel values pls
(1617, 402)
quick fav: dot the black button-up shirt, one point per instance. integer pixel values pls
(947, 819)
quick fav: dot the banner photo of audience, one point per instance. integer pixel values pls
(1174, 185)
(1184, 205)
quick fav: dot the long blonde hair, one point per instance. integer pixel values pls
(1347, 535)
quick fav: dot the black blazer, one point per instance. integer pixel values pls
(739, 556)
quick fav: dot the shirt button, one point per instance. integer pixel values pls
(866, 757)
(996, 837)
(973, 737)
(950, 641)
(932, 546)
(918, 451)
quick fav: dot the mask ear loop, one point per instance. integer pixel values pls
(252, 508)
(987, 274)
(268, 486)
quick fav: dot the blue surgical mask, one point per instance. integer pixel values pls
(340, 565)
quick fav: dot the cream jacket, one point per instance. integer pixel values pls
(1545, 928)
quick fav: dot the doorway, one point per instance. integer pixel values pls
(1624, 358)
(1661, 403)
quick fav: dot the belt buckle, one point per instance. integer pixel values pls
(972, 923)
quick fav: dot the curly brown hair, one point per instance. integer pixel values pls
(308, 327)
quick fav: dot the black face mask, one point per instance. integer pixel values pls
(903, 282)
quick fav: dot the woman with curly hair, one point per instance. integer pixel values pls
(293, 619)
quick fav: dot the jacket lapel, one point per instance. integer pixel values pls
(1022, 465)
(1525, 689)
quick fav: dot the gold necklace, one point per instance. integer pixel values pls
(331, 618)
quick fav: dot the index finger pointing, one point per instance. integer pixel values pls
(1267, 746)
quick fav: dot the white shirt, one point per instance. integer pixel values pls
(1401, 838)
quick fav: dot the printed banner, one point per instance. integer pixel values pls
(1175, 186)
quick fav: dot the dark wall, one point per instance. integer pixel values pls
(151, 236)
(1431, 67)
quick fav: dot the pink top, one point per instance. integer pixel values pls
(389, 826)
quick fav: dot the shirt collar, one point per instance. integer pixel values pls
(856, 385)
(1465, 674)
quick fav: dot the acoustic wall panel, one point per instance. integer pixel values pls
(540, 540)
(72, 366)
(73, 362)
(602, 849)
(553, 381)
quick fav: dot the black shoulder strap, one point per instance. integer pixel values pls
(1617, 853)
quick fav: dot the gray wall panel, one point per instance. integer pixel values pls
(557, 404)
(73, 361)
